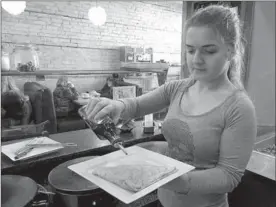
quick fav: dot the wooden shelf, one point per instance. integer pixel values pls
(145, 67)
(74, 72)
(124, 69)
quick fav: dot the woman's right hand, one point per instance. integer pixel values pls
(98, 108)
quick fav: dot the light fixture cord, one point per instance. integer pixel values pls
(100, 40)
(97, 7)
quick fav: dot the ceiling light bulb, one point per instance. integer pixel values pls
(14, 7)
(97, 15)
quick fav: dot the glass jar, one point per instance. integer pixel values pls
(24, 58)
(5, 61)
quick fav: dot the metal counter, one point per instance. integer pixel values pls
(261, 163)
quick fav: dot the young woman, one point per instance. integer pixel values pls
(14, 104)
(64, 94)
(211, 121)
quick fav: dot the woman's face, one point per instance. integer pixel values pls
(206, 54)
(63, 81)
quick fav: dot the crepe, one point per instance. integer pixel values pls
(134, 177)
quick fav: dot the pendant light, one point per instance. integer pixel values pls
(14, 7)
(97, 15)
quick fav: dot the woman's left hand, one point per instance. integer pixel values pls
(180, 184)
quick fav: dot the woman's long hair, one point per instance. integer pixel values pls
(8, 84)
(62, 81)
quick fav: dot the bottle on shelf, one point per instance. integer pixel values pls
(5, 60)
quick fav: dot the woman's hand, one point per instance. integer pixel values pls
(70, 85)
(180, 184)
(97, 108)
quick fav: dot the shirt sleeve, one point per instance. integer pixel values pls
(150, 102)
(236, 146)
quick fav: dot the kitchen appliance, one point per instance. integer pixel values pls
(136, 55)
(143, 55)
(126, 54)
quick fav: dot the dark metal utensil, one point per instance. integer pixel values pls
(26, 149)
(53, 145)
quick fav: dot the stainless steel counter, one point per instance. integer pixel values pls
(261, 163)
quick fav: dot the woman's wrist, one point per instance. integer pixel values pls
(122, 105)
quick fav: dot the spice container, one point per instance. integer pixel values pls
(148, 124)
(24, 58)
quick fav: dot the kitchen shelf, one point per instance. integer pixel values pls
(74, 72)
(124, 69)
(143, 67)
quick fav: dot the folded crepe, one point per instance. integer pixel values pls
(134, 177)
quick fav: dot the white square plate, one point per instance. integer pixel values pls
(10, 149)
(135, 153)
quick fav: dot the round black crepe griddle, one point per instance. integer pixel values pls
(17, 191)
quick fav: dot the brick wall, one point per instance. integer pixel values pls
(67, 40)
